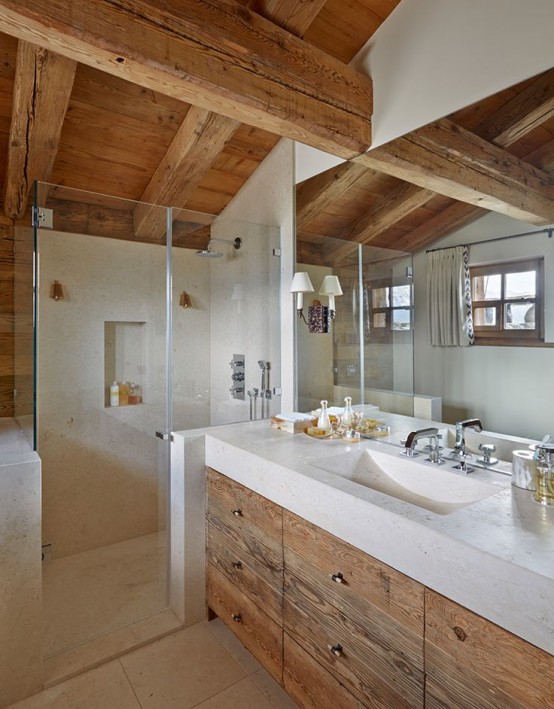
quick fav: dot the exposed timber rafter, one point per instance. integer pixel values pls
(447, 159)
(512, 121)
(197, 143)
(219, 56)
(313, 195)
(294, 17)
(42, 87)
(203, 135)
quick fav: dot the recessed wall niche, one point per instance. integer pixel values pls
(124, 355)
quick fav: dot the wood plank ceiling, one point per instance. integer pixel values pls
(105, 133)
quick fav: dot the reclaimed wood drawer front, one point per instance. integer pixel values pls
(310, 685)
(365, 583)
(378, 666)
(254, 571)
(256, 631)
(472, 663)
(238, 506)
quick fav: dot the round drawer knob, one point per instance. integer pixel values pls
(338, 577)
(237, 617)
(237, 565)
(336, 650)
(237, 512)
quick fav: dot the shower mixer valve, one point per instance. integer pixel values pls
(237, 376)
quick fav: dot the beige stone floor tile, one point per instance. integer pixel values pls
(234, 646)
(105, 687)
(272, 690)
(243, 695)
(95, 592)
(181, 670)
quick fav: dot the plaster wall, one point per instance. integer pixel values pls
(262, 213)
(508, 388)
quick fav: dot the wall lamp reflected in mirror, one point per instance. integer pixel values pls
(184, 300)
(56, 291)
(319, 316)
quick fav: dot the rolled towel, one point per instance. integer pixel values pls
(524, 470)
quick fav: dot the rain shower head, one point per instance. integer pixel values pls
(208, 253)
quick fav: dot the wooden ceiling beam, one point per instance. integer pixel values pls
(294, 17)
(217, 55)
(203, 135)
(197, 143)
(42, 87)
(447, 159)
(526, 111)
(315, 194)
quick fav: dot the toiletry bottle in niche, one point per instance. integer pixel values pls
(323, 421)
(132, 393)
(124, 394)
(348, 413)
(114, 394)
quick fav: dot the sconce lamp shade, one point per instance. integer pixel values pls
(331, 287)
(184, 300)
(56, 291)
(301, 284)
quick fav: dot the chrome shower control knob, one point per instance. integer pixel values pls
(237, 565)
(237, 617)
(338, 577)
(237, 512)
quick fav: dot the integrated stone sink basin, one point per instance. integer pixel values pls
(433, 488)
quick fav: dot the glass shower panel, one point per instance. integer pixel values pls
(101, 398)
(368, 353)
(388, 329)
(226, 275)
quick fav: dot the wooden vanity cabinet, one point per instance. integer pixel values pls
(358, 619)
(472, 663)
(245, 567)
(341, 630)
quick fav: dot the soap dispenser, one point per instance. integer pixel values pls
(323, 421)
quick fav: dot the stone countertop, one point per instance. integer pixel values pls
(495, 557)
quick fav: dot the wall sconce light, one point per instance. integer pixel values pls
(56, 291)
(319, 316)
(184, 300)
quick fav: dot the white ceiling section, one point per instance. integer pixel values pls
(432, 57)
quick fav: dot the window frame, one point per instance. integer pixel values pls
(385, 334)
(497, 335)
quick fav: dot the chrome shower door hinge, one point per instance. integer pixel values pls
(43, 218)
(276, 252)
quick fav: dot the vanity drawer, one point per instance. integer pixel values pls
(250, 566)
(471, 663)
(256, 630)
(352, 580)
(382, 666)
(242, 509)
(310, 685)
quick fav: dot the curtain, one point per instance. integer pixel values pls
(449, 297)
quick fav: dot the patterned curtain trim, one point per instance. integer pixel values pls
(467, 298)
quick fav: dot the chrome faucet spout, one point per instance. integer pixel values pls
(414, 436)
(460, 445)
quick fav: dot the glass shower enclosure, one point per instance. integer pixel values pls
(134, 334)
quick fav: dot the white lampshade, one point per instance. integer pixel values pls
(331, 287)
(301, 283)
